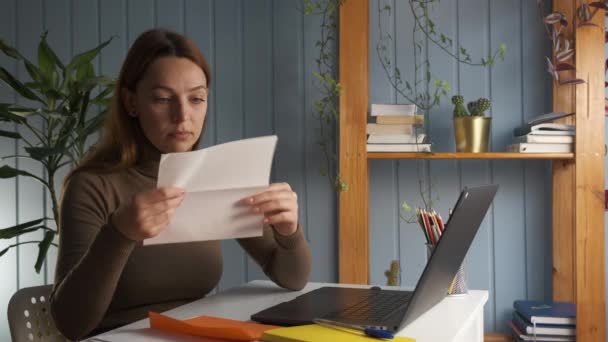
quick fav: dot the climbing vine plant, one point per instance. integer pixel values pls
(422, 87)
(326, 109)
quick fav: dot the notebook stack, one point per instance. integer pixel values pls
(543, 321)
(394, 129)
(539, 135)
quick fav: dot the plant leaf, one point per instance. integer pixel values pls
(4, 251)
(564, 67)
(7, 231)
(9, 234)
(45, 60)
(9, 50)
(7, 134)
(18, 86)
(573, 81)
(50, 53)
(43, 248)
(599, 5)
(39, 153)
(87, 56)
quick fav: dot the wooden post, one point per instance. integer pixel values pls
(354, 79)
(563, 183)
(590, 269)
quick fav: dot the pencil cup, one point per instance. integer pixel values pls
(458, 287)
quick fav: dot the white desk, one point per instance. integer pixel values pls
(455, 319)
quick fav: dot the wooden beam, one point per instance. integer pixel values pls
(589, 259)
(563, 184)
(354, 98)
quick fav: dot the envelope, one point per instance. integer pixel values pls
(208, 326)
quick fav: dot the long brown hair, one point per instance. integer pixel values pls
(123, 140)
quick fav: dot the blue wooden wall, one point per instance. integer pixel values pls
(262, 56)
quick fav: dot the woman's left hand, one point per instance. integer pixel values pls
(279, 205)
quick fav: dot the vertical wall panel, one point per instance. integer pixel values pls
(288, 82)
(141, 16)
(8, 201)
(535, 84)
(257, 82)
(30, 202)
(57, 27)
(319, 208)
(411, 248)
(473, 82)
(200, 27)
(508, 209)
(383, 218)
(229, 109)
(169, 15)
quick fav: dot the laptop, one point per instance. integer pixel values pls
(393, 310)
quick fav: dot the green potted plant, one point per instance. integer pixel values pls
(56, 123)
(472, 128)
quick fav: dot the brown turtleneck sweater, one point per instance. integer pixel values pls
(104, 280)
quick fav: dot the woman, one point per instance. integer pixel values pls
(105, 277)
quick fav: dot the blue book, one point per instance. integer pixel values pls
(542, 329)
(546, 312)
(520, 336)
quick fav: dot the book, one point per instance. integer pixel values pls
(540, 148)
(398, 147)
(520, 336)
(546, 312)
(396, 139)
(548, 128)
(542, 329)
(316, 332)
(392, 109)
(545, 139)
(376, 129)
(403, 119)
(548, 117)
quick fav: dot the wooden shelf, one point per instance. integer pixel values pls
(463, 155)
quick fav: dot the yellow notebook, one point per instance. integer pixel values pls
(315, 332)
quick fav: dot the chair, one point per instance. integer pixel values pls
(29, 317)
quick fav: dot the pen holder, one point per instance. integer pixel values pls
(458, 287)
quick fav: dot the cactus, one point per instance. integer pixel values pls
(483, 104)
(392, 275)
(459, 109)
(478, 108)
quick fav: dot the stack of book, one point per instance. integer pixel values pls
(541, 136)
(394, 129)
(543, 321)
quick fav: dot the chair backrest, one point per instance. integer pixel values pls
(29, 316)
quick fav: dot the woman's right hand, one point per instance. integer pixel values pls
(148, 213)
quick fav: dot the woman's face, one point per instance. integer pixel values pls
(171, 103)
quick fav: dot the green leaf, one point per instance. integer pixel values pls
(49, 52)
(4, 251)
(94, 124)
(7, 233)
(33, 71)
(88, 56)
(39, 153)
(9, 50)
(10, 172)
(10, 117)
(85, 71)
(43, 248)
(18, 86)
(8, 134)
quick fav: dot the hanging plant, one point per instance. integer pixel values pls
(326, 110)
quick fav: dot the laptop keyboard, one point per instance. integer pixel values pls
(375, 306)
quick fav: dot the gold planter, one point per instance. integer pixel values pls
(472, 133)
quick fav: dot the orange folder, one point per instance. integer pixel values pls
(208, 326)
